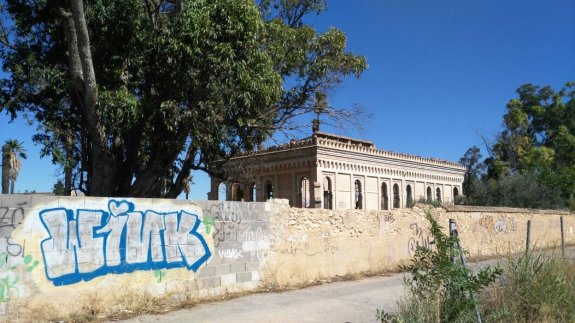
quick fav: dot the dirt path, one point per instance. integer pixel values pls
(347, 301)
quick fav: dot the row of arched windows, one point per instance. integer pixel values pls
(237, 194)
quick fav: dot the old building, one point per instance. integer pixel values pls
(336, 172)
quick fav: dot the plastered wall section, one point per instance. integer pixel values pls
(56, 249)
(321, 244)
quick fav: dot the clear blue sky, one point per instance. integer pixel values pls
(440, 72)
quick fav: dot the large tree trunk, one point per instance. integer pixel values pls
(103, 166)
(12, 183)
(5, 169)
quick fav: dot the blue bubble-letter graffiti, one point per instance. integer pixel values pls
(84, 244)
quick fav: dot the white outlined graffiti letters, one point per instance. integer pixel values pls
(85, 244)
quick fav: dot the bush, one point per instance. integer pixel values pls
(533, 289)
(439, 290)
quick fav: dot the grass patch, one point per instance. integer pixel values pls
(533, 288)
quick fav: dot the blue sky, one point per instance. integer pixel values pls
(440, 73)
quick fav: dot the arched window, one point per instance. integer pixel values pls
(429, 195)
(396, 199)
(269, 190)
(253, 192)
(222, 191)
(327, 194)
(438, 195)
(304, 192)
(409, 199)
(237, 192)
(455, 194)
(384, 197)
(358, 195)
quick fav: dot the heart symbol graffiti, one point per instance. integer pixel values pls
(119, 207)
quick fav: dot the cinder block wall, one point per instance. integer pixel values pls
(56, 249)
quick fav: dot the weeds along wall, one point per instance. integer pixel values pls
(54, 250)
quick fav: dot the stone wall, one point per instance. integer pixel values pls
(56, 249)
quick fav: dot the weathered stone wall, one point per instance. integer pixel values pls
(56, 249)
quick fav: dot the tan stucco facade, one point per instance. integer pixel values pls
(335, 172)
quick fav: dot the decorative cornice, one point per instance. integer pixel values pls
(331, 165)
(330, 141)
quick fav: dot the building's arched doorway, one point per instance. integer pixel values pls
(438, 195)
(384, 197)
(269, 189)
(409, 198)
(429, 195)
(358, 195)
(304, 185)
(396, 198)
(327, 194)
(222, 191)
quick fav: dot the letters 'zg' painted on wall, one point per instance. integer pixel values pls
(91, 243)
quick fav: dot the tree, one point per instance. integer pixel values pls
(12, 151)
(474, 168)
(532, 162)
(133, 95)
(59, 189)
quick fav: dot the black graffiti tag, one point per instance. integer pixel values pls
(417, 239)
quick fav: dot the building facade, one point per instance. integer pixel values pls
(336, 172)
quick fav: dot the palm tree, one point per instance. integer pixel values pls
(12, 151)
(187, 186)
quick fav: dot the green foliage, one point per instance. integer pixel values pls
(533, 288)
(59, 189)
(439, 289)
(182, 86)
(431, 202)
(532, 162)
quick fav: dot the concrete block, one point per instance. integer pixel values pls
(238, 267)
(42, 200)
(176, 286)
(211, 282)
(244, 277)
(252, 266)
(96, 203)
(208, 271)
(228, 280)
(156, 288)
(223, 269)
(71, 202)
(16, 200)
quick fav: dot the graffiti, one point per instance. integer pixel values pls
(500, 226)
(11, 247)
(295, 237)
(230, 253)
(7, 286)
(11, 266)
(256, 242)
(30, 263)
(224, 218)
(91, 243)
(159, 274)
(325, 248)
(418, 239)
(209, 222)
(223, 229)
(11, 217)
(388, 218)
